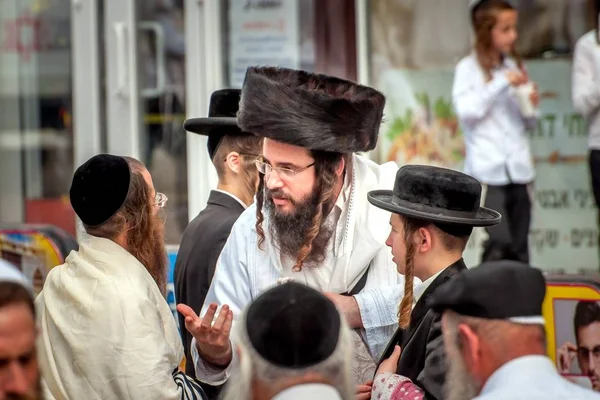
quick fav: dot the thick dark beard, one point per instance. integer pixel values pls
(288, 231)
(155, 252)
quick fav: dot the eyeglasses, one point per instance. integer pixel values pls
(160, 199)
(584, 353)
(284, 173)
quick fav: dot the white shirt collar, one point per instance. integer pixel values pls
(420, 288)
(309, 391)
(528, 365)
(233, 196)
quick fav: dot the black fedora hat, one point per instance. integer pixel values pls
(435, 194)
(221, 120)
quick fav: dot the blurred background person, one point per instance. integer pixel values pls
(19, 372)
(586, 95)
(496, 103)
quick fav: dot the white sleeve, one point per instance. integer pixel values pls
(378, 304)
(471, 96)
(378, 311)
(230, 285)
(585, 89)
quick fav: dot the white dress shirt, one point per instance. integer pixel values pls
(586, 85)
(531, 378)
(244, 270)
(420, 288)
(496, 142)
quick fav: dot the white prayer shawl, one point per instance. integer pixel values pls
(244, 271)
(107, 333)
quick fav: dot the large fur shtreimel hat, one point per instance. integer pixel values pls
(313, 111)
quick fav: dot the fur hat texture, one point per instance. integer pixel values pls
(313, 111)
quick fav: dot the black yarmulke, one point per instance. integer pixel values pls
(293, 326)
(99, 188)
(494, 290)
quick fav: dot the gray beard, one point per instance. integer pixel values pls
(459, 383)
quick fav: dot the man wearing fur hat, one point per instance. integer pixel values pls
(311, 221)
(434, 211)
(107, 332)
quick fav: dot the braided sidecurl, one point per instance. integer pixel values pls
(411, 226)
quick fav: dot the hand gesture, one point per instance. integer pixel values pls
(363, 392)
(391, 364)
(566, 354)
(516, 78)
(212, 339)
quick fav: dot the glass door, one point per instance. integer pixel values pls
(144, 51)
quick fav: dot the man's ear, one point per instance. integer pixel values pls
(233, 160)
(423, 239)
(470, 347)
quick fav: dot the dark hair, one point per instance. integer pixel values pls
(14, 293)
(325, 166)
(586, 313)
(484, 19)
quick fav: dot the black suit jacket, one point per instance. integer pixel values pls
(423, 356)
(197, 257)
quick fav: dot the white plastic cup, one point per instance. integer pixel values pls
(523, 93)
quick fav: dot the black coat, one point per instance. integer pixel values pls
(197, 257)
(423, 356)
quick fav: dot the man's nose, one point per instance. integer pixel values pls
(591, 362)
(273, 181)
(17, 382)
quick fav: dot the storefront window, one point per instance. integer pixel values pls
(413, 65)
(36, 136)
(161, 61)
(270, 32)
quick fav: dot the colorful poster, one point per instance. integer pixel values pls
(420, 126)
(32, 252)
(572, 313)
(262, 33)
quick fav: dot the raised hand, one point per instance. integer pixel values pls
(212, 338)
(516, 78)
(566, 355)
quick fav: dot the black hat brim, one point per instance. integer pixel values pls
(205, 126)
(383, 200)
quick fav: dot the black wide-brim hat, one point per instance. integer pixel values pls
(436, 194)
(314, 111)
(221, 120)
